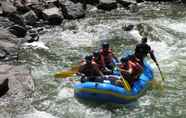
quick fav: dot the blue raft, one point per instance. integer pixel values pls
(108, 93)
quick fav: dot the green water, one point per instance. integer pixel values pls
(165, 26)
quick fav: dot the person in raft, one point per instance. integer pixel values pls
(89, 70)
(107, 59)
(144, 50)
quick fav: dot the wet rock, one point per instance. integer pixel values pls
(9, 42)
(20, 80)
(31, 2)
(18, 31)
(30, 18)
(126, 3)
(107, 4)
(138, 1)
(53, 16)
(4, 87)
(3, 54)
(21, 8)
(92, 2)
(128, 27)
(7, 8)
(34, 36)
(17, 19)
(1, 10)
(72, 10)
(38, 10)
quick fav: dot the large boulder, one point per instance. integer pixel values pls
(72, 10)
(107, 4)
(4, 87)
(126, 3)
(21, 7)
(18, 31)
(53, 16)
(30, 18)
(17, 19)
(8, 8)
(9, 44)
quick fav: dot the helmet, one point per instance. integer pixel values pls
(123, 60)
(105, 45)
(144, 40)
(88, 58)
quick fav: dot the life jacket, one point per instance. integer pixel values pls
(106, 58)
(137, 68)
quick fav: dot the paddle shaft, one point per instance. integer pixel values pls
(160, 71)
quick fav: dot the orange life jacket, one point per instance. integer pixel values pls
(137, 69)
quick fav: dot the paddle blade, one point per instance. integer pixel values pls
(64, 74)
(126, 84)
(67, 73)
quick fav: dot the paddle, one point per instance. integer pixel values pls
(160, 71)
(124, 81)
(154, 59)
(67, 73)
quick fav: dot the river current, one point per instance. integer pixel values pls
(63, 46)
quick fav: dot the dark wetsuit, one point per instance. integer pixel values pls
(143, 48)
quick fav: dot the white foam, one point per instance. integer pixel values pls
(136, 35)
(65, 93)
(179, 27)
(36, 44)
(36, 114)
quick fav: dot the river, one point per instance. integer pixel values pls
(165, 26)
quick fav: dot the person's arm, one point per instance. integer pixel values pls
(98, 71)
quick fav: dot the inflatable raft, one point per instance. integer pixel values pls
(108, 93)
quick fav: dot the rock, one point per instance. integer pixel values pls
(53, 15)
(38, 10)
(17, 19)
(31, 2)
(107, 5)
(30, 18)
(92, 2)
(20, 80)
(18, 31)
(128, 27)
(8, 8)
(72, 10)
(4, 87)
(126, 3)
(9, 42)
(138, 1)
(51, 11)
(1, 10)
(21, 8)
(55, 19)
(3, 54)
